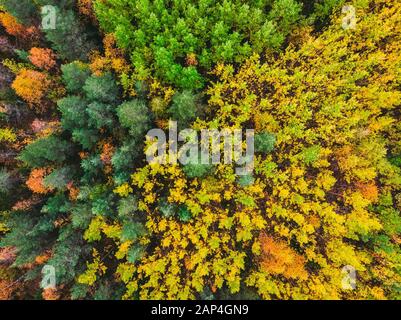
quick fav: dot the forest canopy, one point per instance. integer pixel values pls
(84, 215)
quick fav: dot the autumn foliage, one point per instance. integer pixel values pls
(35, 181)
(50, 294)
(279, 259)
(31, 86)
(12, 26)
(85, 7)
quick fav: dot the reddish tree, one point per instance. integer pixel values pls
(31, 85)
(85, 7)
(50, 294)
(14, 28)
(279, 259)
(26, 204)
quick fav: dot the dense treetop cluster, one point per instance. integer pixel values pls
(77, 194)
